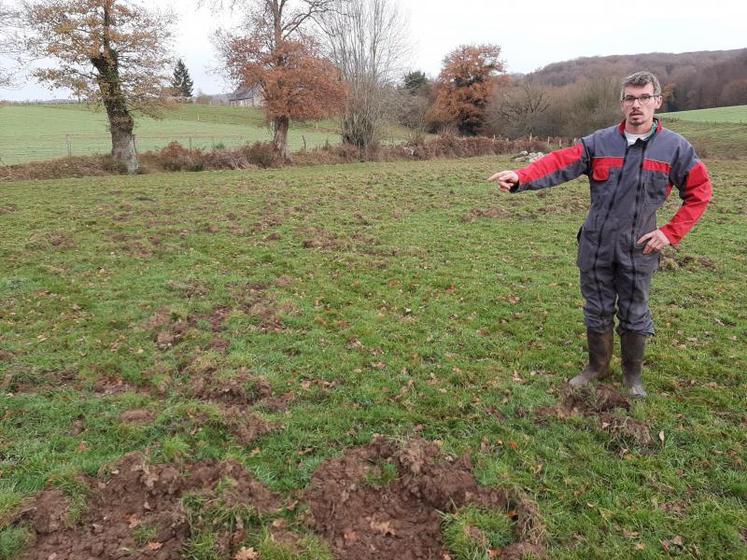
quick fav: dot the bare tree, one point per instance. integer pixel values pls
(108, 52)
(367, 42)
(519, 110)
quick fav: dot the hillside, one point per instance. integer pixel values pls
(691, 80)
(665, 65)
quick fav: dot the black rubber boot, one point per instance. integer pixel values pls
(633, 346)
(600, 353)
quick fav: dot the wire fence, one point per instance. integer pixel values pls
(47, 147)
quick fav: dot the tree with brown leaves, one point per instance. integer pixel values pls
(108, 52)
(283, 61)
(470, 75)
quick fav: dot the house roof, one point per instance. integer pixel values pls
(245, 93)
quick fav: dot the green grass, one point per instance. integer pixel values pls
(385, 291)
(718, 132)
(721, 140)
(734, 114)
(41, 132)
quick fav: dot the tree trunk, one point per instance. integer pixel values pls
(123, 149)
(121, 123)
(280, 140)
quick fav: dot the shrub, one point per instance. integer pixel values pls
(176, 157)
(261, 154)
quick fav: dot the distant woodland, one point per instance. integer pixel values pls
(474, 95)
(695, 80)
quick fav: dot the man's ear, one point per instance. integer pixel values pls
(659, 101)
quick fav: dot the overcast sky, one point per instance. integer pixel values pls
(532, 33)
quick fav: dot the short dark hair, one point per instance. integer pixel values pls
(640, 79)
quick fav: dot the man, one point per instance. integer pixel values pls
(631, 169)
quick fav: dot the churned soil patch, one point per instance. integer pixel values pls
(190, 289)
(241, 388)
(169, 330)
(319, 238)
(137, 416)
(608, 406)
(672, 260)
(58, 240)
(626, 431)
(593, 400)
(138, 512)
(480, 213)
(245, 426)
(112, 385)
(217, 317)
(590, 400)
(382, 501)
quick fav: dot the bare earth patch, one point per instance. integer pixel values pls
(363, 514)
(138, 512)
(137, 417)
(480, 213)
(603, 402)
(672, 260)
(243, 388)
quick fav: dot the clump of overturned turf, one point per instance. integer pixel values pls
(383, 501)
(138, 512)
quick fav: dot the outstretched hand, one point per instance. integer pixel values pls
(505, 179)
(654, 241)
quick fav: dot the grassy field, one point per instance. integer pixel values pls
(41, 132)
(735, 114)
(722, 140)
(248, 332)
(718, 132)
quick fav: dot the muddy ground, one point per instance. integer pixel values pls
(363, 515)
(135, 511)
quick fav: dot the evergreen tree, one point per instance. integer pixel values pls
(181, 81)
(415, 82)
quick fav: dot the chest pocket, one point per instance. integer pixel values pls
(602, 181)
(657, 189)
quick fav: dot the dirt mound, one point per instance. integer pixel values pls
(49, 512)
(379, 502)
(138, 513)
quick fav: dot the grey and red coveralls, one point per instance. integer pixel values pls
(628, 185)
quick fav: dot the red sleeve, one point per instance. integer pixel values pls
(554, 168)
(696, 195)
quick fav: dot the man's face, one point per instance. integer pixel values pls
(639, 114)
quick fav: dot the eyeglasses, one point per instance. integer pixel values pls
(645, 99)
